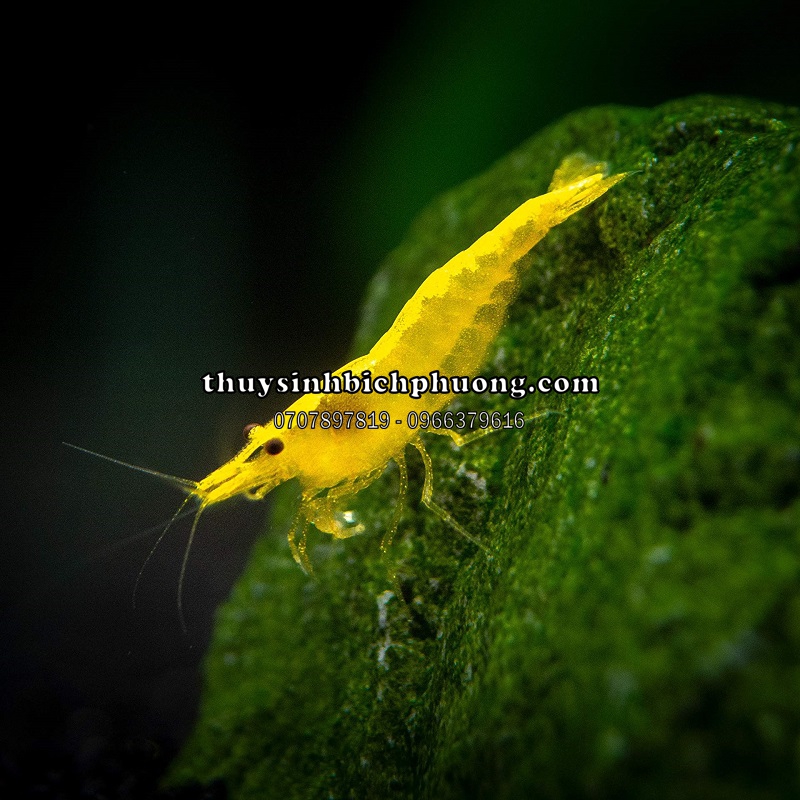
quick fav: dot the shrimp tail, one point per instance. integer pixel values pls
(579, 181)
(574, 168)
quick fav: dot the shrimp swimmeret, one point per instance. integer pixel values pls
(447, 326)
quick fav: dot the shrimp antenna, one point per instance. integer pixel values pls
(181, 483)
(183, 566)
(175, 516)
(184, 485)
(109, 549)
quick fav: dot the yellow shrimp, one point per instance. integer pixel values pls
(447, 326)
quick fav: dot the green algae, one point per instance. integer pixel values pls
(636, 630)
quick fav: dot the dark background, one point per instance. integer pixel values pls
(192, 194)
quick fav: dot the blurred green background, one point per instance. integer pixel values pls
(193, 194)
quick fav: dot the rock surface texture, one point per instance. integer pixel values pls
(635, 631)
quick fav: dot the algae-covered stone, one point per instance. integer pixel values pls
(635, 631)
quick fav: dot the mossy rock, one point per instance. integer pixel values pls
(635, 629)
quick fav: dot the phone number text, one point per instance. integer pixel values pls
(381, 420)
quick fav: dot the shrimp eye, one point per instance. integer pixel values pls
(274, 446)
(248, 428)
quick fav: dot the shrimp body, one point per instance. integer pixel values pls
(448, 325)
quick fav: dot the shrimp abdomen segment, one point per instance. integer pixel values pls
(459, 309)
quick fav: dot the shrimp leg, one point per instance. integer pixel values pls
(427, 499)
(300, 550)
(386, 542)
